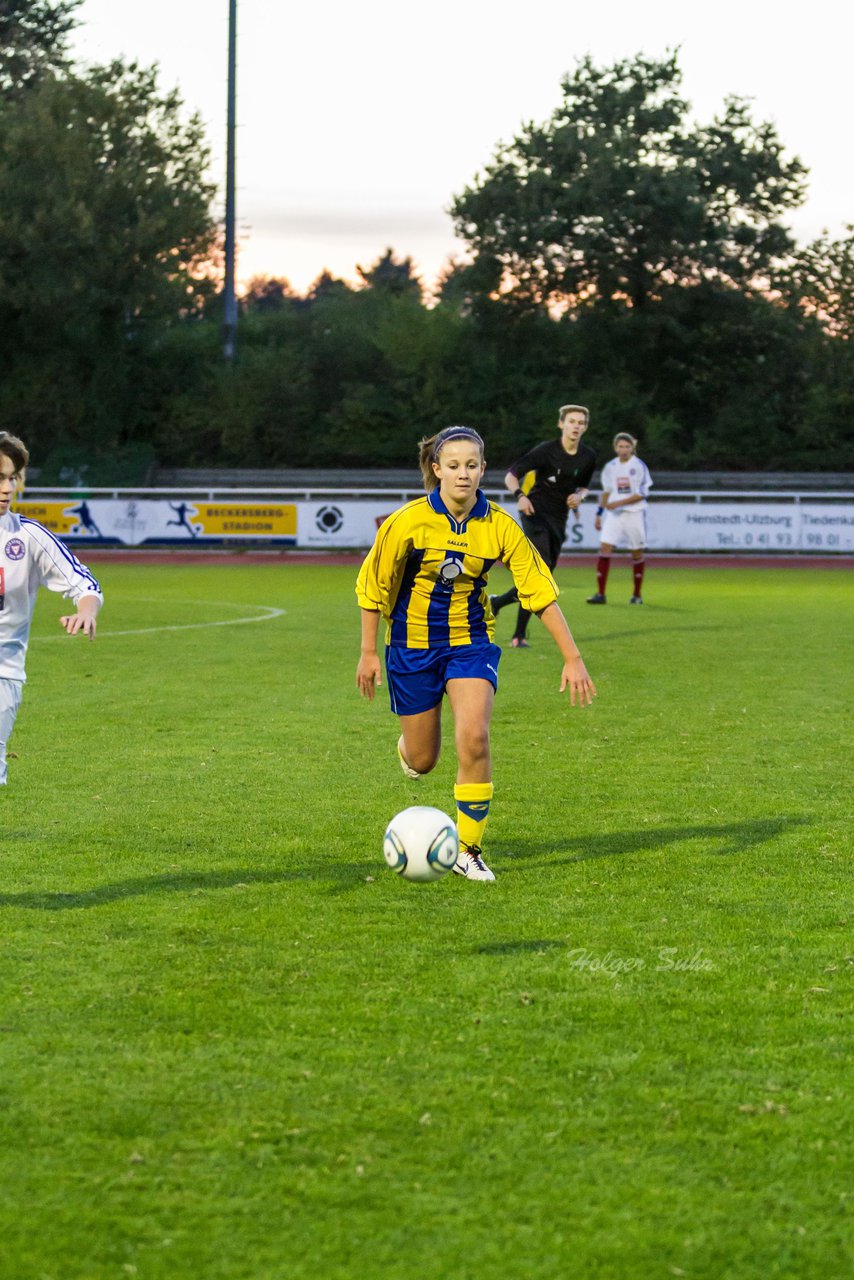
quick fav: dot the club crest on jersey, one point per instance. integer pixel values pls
(449, 569)
(15, 549)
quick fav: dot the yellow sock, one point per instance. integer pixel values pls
(472, 810)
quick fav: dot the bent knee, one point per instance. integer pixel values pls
(423, 761)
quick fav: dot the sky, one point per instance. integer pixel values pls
(357, 123)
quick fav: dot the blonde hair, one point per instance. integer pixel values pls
(624, 435)
(573, 408)
(431, 446)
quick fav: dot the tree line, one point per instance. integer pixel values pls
(620, 254)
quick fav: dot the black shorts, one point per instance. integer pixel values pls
(546, 538)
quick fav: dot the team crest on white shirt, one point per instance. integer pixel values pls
(14, 549)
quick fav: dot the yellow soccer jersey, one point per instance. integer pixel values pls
(426, 572)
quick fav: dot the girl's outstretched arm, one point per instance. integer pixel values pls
(368, 672)
(574, 671)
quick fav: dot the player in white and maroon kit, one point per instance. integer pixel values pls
(31, 557)
(625, 482)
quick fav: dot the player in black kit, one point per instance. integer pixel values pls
(549, 481)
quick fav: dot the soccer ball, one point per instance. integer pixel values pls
(421, 843)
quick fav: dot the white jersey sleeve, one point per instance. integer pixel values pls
(31, 557)
(58, 568)
(606, 480)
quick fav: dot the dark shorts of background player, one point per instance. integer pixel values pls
(546, 538)
(417, 677)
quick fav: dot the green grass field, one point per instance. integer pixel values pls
(234, 1045)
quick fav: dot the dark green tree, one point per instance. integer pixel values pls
(818, 281)
(106, 239)
(817, 288)
(620, 195)
(327, 286)
(391, 275)
(265, 294)
(33, 41)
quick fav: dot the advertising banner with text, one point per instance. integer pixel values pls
(672, 525)
(138, 521)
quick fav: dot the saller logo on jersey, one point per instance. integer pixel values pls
(15, 549)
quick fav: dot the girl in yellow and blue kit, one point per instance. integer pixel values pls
(426, 576)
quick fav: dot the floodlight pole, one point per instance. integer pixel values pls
(230, 297)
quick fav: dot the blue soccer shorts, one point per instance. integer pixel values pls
(417, 677)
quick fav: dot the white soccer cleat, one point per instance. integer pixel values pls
(470, 863)
(407, 768)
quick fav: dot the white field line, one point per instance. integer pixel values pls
(266, 616)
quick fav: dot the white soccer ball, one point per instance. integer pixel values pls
(421, 843)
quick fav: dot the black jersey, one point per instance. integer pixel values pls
(549, 475)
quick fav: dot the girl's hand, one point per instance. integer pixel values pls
(368, 675)
(74, 622)
(581, 686)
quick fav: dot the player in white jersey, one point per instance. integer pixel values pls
(31, 557)
(625, 482)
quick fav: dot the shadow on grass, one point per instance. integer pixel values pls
(736, 837)
(595, 637)
(535, 945)
(179, 882)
